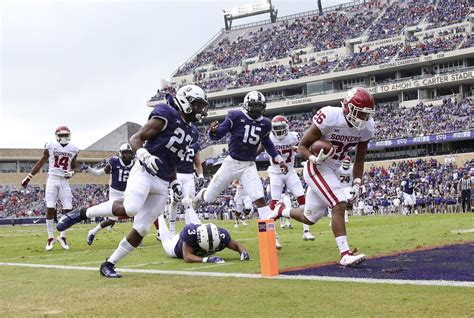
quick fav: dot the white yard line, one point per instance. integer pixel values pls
(462, 231)
(254, 276)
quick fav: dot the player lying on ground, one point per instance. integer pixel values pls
(197, 242)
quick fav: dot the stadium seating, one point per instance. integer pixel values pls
(393, 122)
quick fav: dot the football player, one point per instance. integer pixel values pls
(61, 157)
(196, 243)
(286, 143)
(345, 177)
(408, 190)
(188, 168)
(159, 145)
(248, 128)
(119, 169)
(351, 126)
(243, 203)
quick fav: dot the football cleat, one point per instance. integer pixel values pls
(198, 199)
(290, 226)
(71, 218)
(107, 269)
(236, 225)
(63, 242)
(277, 243)
(282, 226)
(243, 222)
(50, 244)
(350, 259)
(90, 237)
(307, 236)
(158, 238)
(276, 213)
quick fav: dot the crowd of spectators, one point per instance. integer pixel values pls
(433, 46)
(448, 12)
(368, 57)
(435, 187)
(394, 122)
(21, 202)
(278, 40)
(399, 16)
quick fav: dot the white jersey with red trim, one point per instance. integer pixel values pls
(60, 157)
(287, 149)
(334, 128)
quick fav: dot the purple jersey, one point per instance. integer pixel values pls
(189, 235)
(119, 173)
(171, 143)
(245, 135)
(186, 165)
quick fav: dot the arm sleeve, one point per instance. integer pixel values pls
(222, 130)
(95, 172)
(269, 146)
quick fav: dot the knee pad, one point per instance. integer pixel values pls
(313, 215)
(142, 229)
(131, 209)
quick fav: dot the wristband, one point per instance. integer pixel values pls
(357, 180)
(30, 176)
(204, 259)
(278, 158)
(174, 182)
(201, 176)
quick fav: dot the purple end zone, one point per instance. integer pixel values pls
(453, 262)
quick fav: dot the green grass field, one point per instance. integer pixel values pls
(40, 292)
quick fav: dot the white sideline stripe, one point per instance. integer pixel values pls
(443, 283)
(463, 231)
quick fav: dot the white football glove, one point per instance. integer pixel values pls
(69, 174)
(321, 157)
(354, 191)
(148, 160)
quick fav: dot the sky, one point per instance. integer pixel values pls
(92, 65)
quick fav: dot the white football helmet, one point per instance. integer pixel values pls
(280, 126)
(208, 237)
(254, 104)
(63, 135)
(192, 101)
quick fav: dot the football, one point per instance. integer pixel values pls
(320, 144)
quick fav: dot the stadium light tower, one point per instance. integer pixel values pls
(248, 10)
(320, 7)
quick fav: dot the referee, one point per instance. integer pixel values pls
(465, 185)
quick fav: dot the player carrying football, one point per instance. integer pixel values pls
(345, 128)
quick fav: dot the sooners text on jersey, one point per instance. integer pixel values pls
(60, 157)
(287, 149)
(334, 128)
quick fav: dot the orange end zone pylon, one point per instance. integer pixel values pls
(267, 247)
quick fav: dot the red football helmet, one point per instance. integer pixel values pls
(280, 126)
(63, 135)
(358, 106)
(346, 163)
